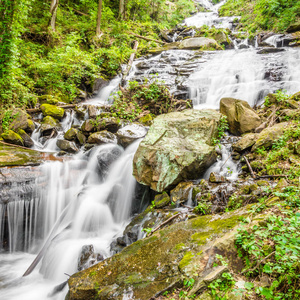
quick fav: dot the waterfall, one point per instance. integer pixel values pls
(78, 202)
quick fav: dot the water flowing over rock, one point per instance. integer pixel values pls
(178, 146)
(240, 116)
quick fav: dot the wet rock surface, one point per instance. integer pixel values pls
(177, 146)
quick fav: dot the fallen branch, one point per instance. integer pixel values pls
(254, 268)
(165, 222)
(249, 167)
(17, 146)
(147, 39)
(225, 161)
(36, 110)
(272, 176)
(130, 62)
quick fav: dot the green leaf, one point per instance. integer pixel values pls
(249, 285)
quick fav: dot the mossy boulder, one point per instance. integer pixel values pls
(295, 97)
(48, 125)
(247, 141)
(67, 146)
(16, 156)
(177, 147)
(198, 43)
(53, 111)
(80, 138)
(19, 120)
(28, 142)
(162, 200)
(12, 137)
(88, 125)
(71, 134)
(157, 263)
(102, 137)
(30, 126)
(269, 135)
(240, 116)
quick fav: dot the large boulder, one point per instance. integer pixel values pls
(240, 116)
(66, 146)
(19, 120)
(48, 125)
(197, 43)
(12, 138)
(269, 135)
(102, 137)
(245, 142)
(53, 111)
(178, 146)
(129, 133)
(158, 263)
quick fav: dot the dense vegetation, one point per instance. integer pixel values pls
(274, 15)
(39, 58)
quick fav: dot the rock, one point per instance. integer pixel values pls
(270, 50)
(177, 147)
(154, 264)
(30, 126)
(130, 133)
(110, 124)
(20, 120)
(53, 111)
(293, 28)
(240, 116)
(66, 146)
(216, 178)
(28, 142)
(269, 135)
(80, 111)
(16, 156)
(99, 84)
(247, 141)
(93, 111)
(80, 138)
(88, 125)
(102, 137)
(106, 156)
(197, 43)
(162, 200)
(48, 125)
(182, 192)
(295, 97)
(12, 137)
(88, 257)
(71, 134)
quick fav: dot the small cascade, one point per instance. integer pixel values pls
(225, 166)
(103, 96)
(210, 18)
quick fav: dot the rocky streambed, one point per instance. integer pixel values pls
(192, 184)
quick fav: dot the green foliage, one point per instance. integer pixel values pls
(274, 15)
(203, 208)
(36, 61)
(7, 119)
(219, 288)
(272, 249)
(153, 97)
(223, 126)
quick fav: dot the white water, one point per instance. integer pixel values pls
(93, 213)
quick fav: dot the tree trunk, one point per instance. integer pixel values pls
(98, 30)
(53, 10)
(122, 9)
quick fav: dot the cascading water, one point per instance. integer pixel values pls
(72, 206)
(75, 203)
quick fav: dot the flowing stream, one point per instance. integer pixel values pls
(79, 202)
